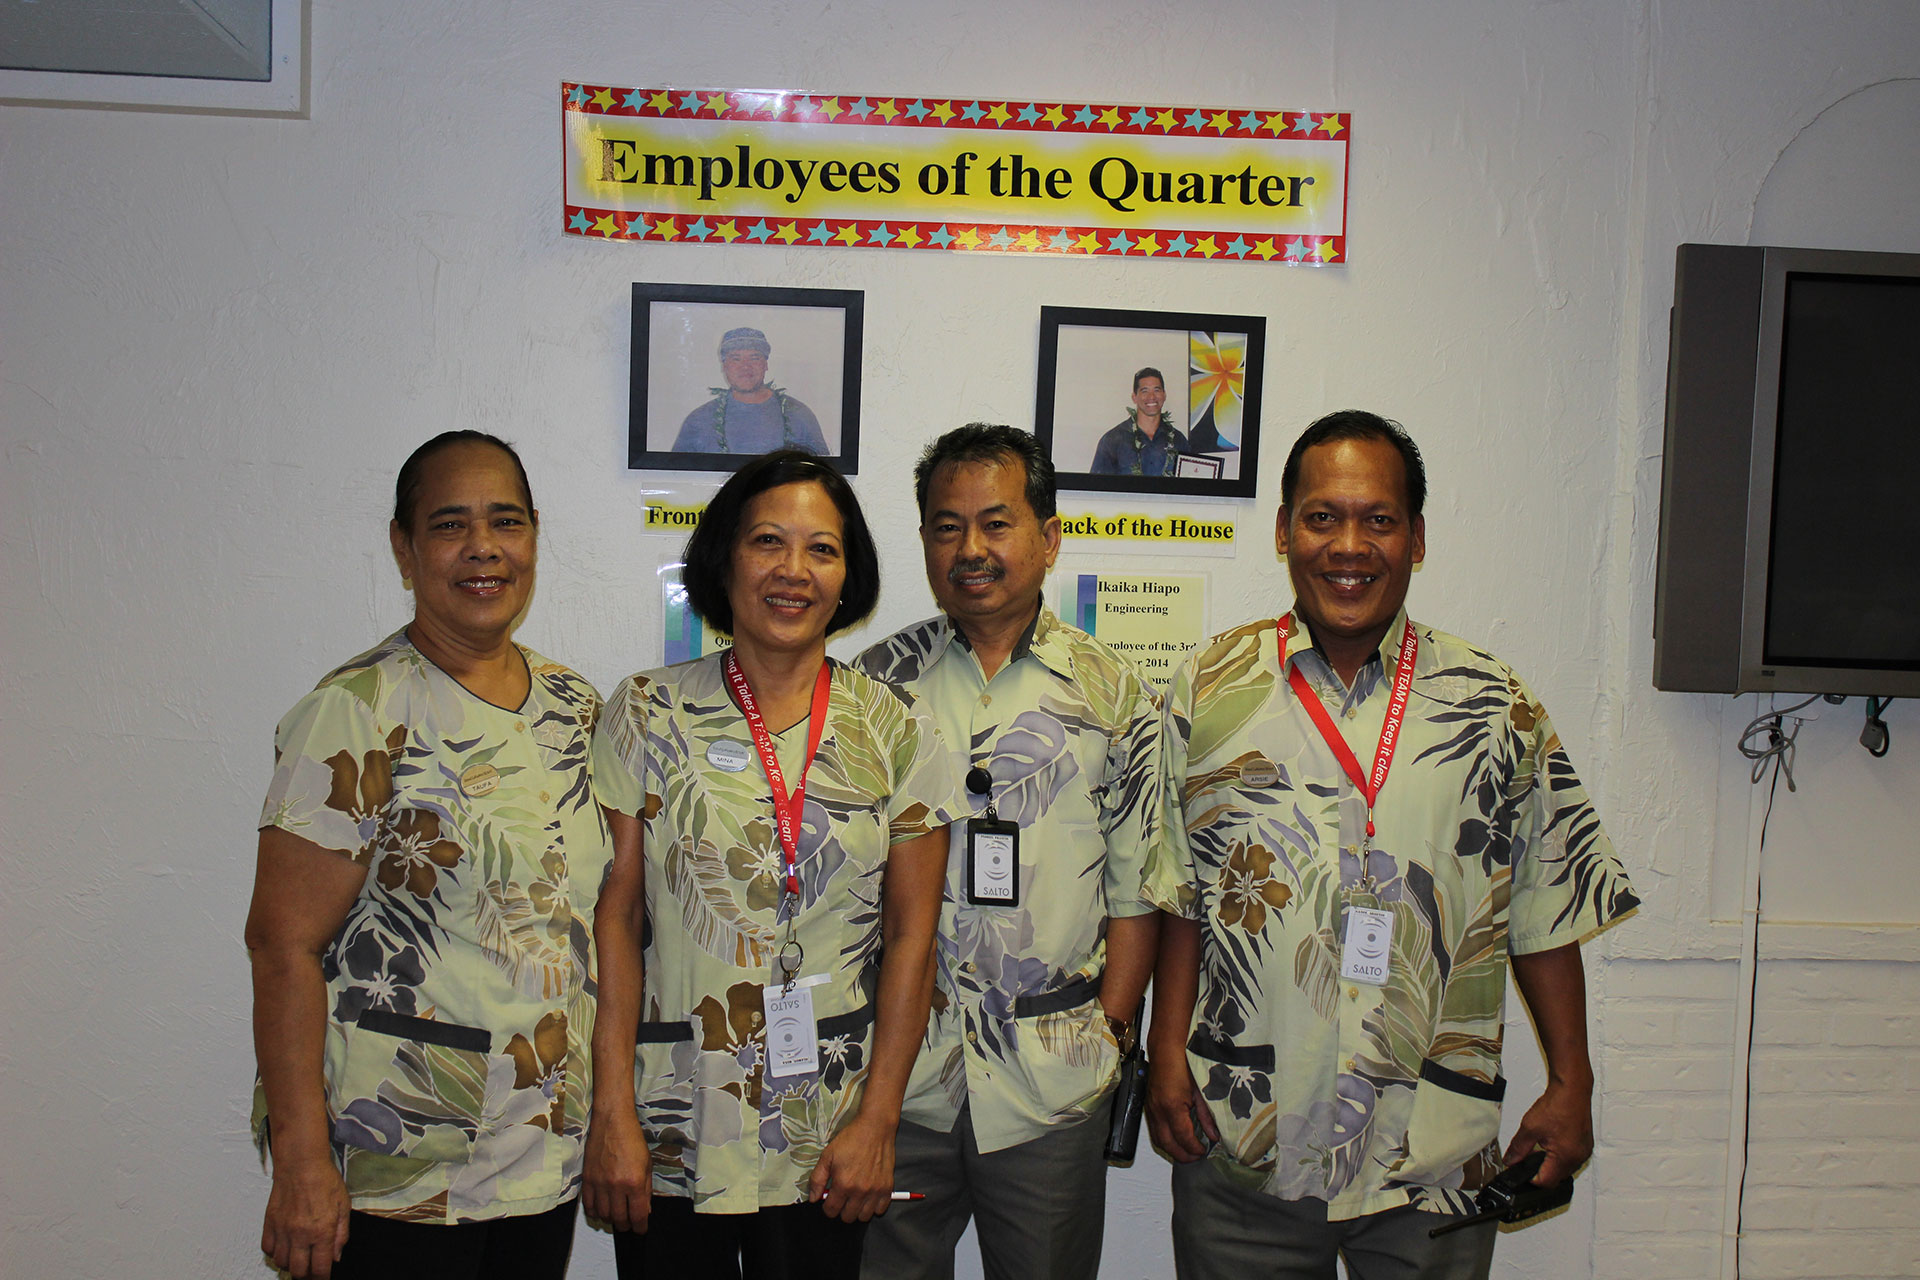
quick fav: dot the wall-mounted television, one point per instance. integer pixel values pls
(1790, 486)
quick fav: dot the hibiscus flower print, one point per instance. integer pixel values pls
(413, 854)
(380, 975)
(841, 1057)
(1239, 1087)
(1222, 1020)
(542, 1063)
(362, 788)
(757, 863)
(1248, 889)
(733, 1031)
(547, 893)
(727, 1030)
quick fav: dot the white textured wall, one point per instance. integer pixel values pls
(219, 336)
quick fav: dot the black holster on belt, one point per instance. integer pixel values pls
(1129, 1102)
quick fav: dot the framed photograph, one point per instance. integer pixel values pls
(1151, 401)
(722, 372)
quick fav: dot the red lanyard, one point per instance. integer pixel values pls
(786, 807)
(1389, 732)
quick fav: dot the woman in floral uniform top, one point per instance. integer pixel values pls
(430, 852)
(749, 1134)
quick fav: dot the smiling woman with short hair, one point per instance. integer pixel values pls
(767, 935)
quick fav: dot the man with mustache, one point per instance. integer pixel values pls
(1380, 822)
(1045, 941)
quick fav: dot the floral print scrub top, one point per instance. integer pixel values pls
(719, 1130)
(460, 988)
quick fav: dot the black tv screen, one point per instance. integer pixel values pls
(1843, 585)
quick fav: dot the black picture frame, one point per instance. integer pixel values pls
(1086, 350)
(677, 330)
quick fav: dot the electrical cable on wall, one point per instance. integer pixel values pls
(1779, 748)
(1777, 753)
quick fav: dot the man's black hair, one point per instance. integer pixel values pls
(994, 443)
(1358, 424)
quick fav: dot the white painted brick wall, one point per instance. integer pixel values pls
(1833, 1179)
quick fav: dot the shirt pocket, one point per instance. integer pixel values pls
(414, 1087)
(1066, 1050)
(1454, 1116)
(1237, 1082)
(663, 1061)
(665, 1064)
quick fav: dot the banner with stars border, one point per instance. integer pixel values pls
(779, 167)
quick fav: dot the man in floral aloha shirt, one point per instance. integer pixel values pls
(1318, 1102)
(1005, 1114)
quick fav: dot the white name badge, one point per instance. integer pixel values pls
(993, 862)
(793, 1037)
(1363, 958)
(729, 755)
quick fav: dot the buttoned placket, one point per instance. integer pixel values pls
(1360, 718)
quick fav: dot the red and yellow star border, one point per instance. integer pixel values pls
(801, 108)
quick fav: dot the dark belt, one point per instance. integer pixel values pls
(426, 1030)
(1257, 1056)
(850, 1023)
(1447, 1078)
(1069, 996)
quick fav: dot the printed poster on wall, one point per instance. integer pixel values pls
(684, 636)
(749, 166)
(1154, 619)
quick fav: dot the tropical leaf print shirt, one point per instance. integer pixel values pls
(1369, 1097)
(460, 988)
(720, 1130)
(1070, 733)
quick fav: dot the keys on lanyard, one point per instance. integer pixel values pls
(787, 806)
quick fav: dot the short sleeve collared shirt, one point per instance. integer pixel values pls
(1369, 1097)
(1070, 734)
(720, 1130)
(458, 990)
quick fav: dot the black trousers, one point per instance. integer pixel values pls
(792, 1242)
(534, 1247)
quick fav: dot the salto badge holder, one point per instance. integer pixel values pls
(993, 851)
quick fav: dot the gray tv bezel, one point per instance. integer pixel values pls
(1717, 475)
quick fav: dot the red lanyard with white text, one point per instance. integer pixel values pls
(786, 807)
(1389, 732)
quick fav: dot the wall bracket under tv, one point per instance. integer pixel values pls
(1789, 555)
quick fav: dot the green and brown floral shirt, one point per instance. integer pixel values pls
(460, 989)
(1369, 1097)
(720, 1131)
(1069, 731)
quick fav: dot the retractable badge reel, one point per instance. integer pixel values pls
(993, 851)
